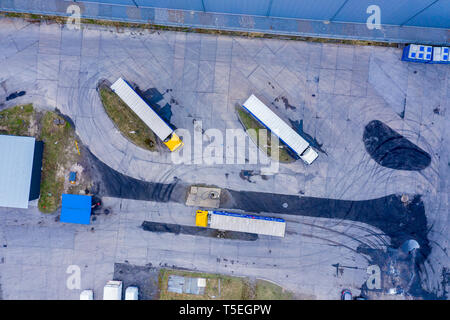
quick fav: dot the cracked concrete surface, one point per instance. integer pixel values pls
(335, 89)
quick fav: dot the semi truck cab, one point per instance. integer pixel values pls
(309, 155)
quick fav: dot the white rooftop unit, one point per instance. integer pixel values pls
(142, 109)
(87, 295)
(112, 290)
(132, 293)
(280, 128)
(247, 223)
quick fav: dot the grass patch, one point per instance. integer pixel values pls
(266, 290)
(249, 122)
(231, 288)
(218, 287)
(16, 121)
(128, 123)
(59, 148)
(59, 145)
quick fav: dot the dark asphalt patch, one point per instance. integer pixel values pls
(391, 150)
(197, 231)
(397, 220)
(143, 277)
(111, 183)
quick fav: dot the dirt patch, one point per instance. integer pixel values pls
(143, 277)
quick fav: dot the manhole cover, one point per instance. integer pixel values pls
(405, 198)
(213, 195)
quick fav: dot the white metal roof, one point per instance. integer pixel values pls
(142, 109)
(275, 124)
(246, 224)
(16, 167)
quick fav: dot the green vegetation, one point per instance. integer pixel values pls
(16, 121)
(231, 288)
(266, 290)
(127, 121)
(150, 26)
(249, 122)
(59, 148)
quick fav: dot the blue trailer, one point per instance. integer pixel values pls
(426, 54)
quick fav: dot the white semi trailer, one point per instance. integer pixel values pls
(232, 221)
(147, 114)
(280, 128)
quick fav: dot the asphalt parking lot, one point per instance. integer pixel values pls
(337, 90)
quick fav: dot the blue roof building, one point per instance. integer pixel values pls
(76, 209)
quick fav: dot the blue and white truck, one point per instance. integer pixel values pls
(426, 54)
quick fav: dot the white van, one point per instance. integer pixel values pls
(112, 290)
(132, 293)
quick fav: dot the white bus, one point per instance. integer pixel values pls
(147, 114)
(280, 128)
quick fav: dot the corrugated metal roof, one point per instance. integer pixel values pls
(180, 284)
(142, 109)
(280, 128)
(16, 167)
(247, 223)
(76, 209)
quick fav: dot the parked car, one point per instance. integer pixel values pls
(87, 295)
(346, 294)
(132, 293)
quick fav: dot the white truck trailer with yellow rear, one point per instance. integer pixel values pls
(231, 221)
(147, 114)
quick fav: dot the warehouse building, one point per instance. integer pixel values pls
(20, 170)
